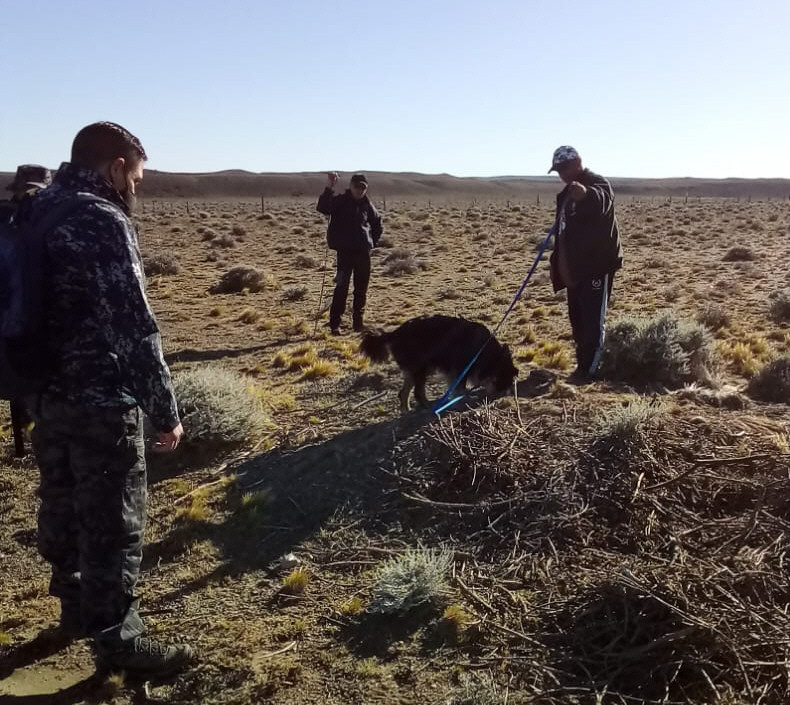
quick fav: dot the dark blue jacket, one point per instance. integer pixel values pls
(353, 224)
(100, 327)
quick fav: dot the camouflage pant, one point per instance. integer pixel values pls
(92, 515)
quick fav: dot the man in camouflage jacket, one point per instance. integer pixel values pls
(108, 371)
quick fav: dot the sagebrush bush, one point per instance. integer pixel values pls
(714, 317)
(160, 263)
(476, 690)
(295, 293)
(411, 579)
(219, 405)
(772, 382)
(660, 350)
(780, 306)
(237, 279)
(223, 240)
(625, 423)
(400, 261)
(306, 262)
(739, 254)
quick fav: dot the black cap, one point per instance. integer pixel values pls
(360, 179)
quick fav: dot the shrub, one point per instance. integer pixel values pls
(714, 317)
(739, 254)
(623, 424)
(295, 293)
(661, 350)
(219, 405)
(208, 234)
(238, 231)
(411, 579)
(772, 382)
(780, 306)
(238, 279)
(160, 263)
(306, 262)
(476, 690)
(401, 261)
(224, 240)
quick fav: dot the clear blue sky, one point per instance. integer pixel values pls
(653, 89)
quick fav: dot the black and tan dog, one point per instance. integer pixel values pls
(445, 344)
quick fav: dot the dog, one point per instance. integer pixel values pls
(445, 344)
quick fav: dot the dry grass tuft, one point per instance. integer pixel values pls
(296, 581)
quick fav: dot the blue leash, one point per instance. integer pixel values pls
(446, 402)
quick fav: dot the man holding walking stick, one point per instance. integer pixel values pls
(354, 230)
(587, 253)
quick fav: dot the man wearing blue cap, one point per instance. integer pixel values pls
(354, 230)
(587, 253)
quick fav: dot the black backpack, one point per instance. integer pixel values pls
(25, 363)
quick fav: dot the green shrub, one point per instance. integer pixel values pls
(476, 690)
(219, 405)
(623, 424)
(780, 306)
(409, 580)
(772, 382)
(660, 350)
(714, 317)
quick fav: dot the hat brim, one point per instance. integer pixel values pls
(16, 185)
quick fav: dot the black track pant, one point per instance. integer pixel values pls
(350, 263)
(587, 305)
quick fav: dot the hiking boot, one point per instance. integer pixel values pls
(336, 331)
(579, 377)
(359, 327)
(71, 623)
(144, 655)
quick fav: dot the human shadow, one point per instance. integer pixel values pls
(301, 490)
(292, 494)
(45, 644)
(194, 355)
(87, 690)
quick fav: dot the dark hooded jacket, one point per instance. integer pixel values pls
(354, 224)
(589, 238)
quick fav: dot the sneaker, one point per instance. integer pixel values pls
(145, 655)
(336, 331)
(359, 327)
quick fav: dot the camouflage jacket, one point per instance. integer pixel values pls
(101, 330)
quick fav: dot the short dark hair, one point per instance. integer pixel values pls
(101, 142)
